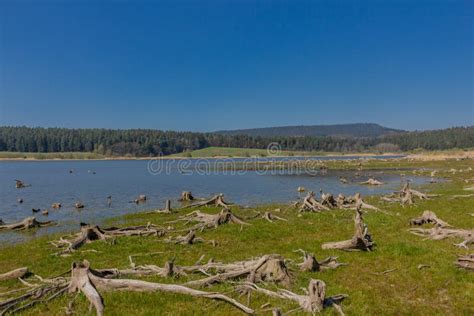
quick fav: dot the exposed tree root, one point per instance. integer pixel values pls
(372, 181)
(310, 264)
(271, 217)
(210, 220)
(361, 240)
(90, 233)
(14, 274)
(439, 233)
(314, 301)
(90, 282)
(189, 239)
(429, 217)
(311, 204)
(216, 200)
(268, 268)
(465, 262)
(406, 196)
(27, 223)
(169, 270)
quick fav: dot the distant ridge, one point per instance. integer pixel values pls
(342, 130)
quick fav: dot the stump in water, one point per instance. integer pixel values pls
(27, 223)
(140, 199)
(372, 181)
(20, 200)
(186, 196)
(310, 264)
(20, 184)
(78, 205)
(14, 274)
(56, 205)
(361, 240)
(216, 200)
(313, 302)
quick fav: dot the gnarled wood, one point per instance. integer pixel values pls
(90, 282)
(429, 217)
(311, 204)
(361, 240)
(439, 233)
(26, 223)
(313, 302)
(310, 264)
(186, 196)
(216, 200)
(205, 220)
(465, 262)
(14, 274)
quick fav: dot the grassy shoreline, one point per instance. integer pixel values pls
(440, 289)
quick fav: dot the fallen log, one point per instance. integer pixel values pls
(313, 302)
(465, 262)
(429, 217)
(14, 274)
(310, 264)
(89, 282)
(89, 233)
(268, 268)
(440, 233)
(205, 220)
(216, 200)
(361, 240)
(26, 223)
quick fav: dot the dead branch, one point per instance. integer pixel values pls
(310, 264)
(268, 268)
(89, 233)
(439, 233)
(361, 240)
(14, 274)
(314, 301)
(26, 223)
(205, 220)
(216, 200)
(465, 262)
(271, 217)
(429, 217)
(89, 282)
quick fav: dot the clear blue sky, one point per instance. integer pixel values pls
(203, 66)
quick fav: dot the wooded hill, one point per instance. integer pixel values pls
(141, 142)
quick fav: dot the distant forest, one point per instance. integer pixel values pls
(141, 142)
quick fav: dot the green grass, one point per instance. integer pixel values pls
(58, 155)
(440, 290)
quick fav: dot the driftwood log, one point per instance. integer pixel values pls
(372, 181)
(216, 200)
(439, 233)
(14, 274)
(465, 262)
(268, 268)
(89, 233)
(361, 240)
(26, 223)
(312, 302)
(205, 220)
(310, 264)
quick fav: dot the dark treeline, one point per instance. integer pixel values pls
(140, 142)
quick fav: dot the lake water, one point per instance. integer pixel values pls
(92, 181)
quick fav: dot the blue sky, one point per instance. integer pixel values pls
(203, 66)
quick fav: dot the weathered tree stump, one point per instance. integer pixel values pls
(26, 223)
(186, 196)
(361, 240)
(429, 217)
(465, 262)
(216, 200)
(310, 264)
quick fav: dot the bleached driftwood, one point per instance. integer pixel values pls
(429, 217)
(26, 223)
(361, 240)
(310, 264)
(216, 200)
(372, 181)
(14, 274)
(465, 262)
(205, 220)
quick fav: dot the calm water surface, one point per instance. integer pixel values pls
(125, 180)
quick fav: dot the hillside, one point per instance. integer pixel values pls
(345, 130)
